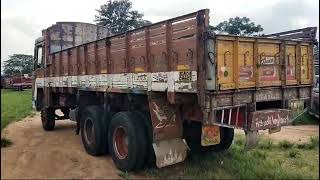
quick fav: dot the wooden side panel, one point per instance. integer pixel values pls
(91, 62)
(73, 62)
(305, 77)
(138, 54)
(259, 62)
(184, 45)
(246, 65)
(102, 56)
(291, 64)
(158, 54)
(118, 54)
(64, 61)
(225, 53)
(56, 63)
(269, 60)
(82, 60)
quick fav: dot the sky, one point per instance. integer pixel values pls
(23, 20)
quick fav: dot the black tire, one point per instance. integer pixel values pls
(145, 121)
(193, 138)
(129, 155)
(48, 119)
(93, 130)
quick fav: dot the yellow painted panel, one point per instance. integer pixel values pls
(245, 63)
(225, 61)
(268, 54)
(291, 64)
(304, 63)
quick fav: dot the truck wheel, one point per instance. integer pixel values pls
(128, 137)
(146, 122)
(193, 139)
(93, 131)
(48, 119)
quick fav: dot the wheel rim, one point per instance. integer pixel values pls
(120, 142)
(88, 131)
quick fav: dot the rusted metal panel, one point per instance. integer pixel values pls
(65, 35)
(166, 119)
(267, 119)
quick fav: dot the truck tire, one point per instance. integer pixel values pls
(193, 139)
(48, 119)
(145, 121)
(93, 130)
(128, 137)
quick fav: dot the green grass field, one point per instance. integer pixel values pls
(15, 105)
(268, 161)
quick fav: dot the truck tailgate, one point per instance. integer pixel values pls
(247, 62)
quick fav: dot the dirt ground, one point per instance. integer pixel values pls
(59, 153)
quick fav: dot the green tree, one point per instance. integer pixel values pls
(18, 63)
(238, 26)
(118, 16)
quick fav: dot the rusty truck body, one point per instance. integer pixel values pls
(149, 94)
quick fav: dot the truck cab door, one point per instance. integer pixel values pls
(38, 77)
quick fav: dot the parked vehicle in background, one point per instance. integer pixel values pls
(2, 81)
(314, 109)
(18, 82)
(149, 93)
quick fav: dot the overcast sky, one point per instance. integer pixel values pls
(23, 20)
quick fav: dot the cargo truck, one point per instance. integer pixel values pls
(149, 94)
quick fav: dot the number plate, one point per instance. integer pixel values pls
(210, 135)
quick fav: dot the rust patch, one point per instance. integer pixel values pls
(166, 119)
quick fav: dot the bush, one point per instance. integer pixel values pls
(312, 144)
(285, 144)
(293, 153)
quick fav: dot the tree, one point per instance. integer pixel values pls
(17, 64)
(238, 26)
(118, 16)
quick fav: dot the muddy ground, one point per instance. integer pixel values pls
(59, 153)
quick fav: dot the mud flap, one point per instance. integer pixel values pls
(170, 151)
(251, 139)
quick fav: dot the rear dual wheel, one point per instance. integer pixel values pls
(128, 141)
(126, 138)
(93, 130)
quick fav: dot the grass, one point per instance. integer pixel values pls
(268, 160)
(15, 105)
(305, 119)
